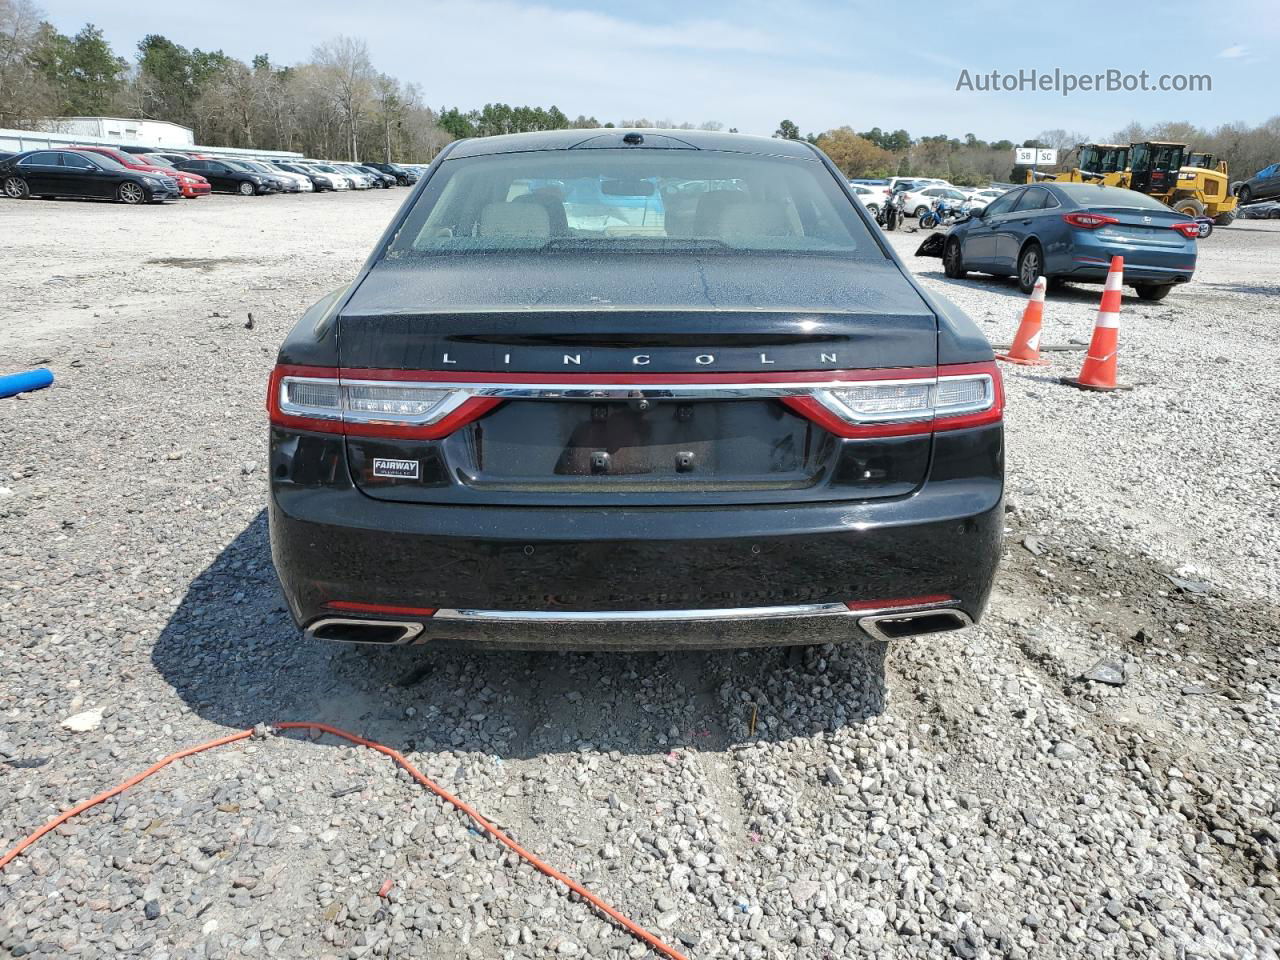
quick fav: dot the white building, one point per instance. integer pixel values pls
(155, 133)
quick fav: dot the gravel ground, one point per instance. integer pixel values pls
(973, 795)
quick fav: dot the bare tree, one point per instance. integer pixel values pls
(24, 94)
(346, 65)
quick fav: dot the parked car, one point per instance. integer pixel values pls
(380, 179)
(319, 181)
(190, 185)
(359, 179)
(723, 424)
(914, 183)
(871, 198)
(71, 173)
(225, 176)
(170, 157)
(1263, 185)
(291, 182)
(1264, 210)
(984, 197)
(1070, 231)
(404, 176)
(354, 181)
(279, 181)
(917, 201)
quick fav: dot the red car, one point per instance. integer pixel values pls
(190, 184)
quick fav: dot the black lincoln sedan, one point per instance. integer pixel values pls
(70, 173)
(634, 389)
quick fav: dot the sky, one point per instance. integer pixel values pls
(750, 63)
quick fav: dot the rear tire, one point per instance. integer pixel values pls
(15, 188)
(1153, 291)
(920, 212)
(246, 189)
(1030, 266)
(953, 260)
(1245, 194)
(1225, 219)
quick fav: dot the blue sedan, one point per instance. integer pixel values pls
(1070, 231)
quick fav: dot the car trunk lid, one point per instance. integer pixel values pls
(637, 403)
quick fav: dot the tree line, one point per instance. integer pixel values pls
(970, 161)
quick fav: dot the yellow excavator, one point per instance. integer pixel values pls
(1189, 183)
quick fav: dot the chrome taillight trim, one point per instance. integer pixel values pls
(645, 616)
(814, 396)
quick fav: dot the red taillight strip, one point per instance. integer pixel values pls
(353, 607)
(814, 410)
(1089, 221)
(475, 407)
(860, 605)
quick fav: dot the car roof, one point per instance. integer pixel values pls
(604, 137)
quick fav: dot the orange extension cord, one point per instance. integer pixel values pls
(632, 928)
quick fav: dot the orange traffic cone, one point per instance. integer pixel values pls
(1099, 369)
(1026, 345)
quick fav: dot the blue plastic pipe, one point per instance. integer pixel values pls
(22, 382)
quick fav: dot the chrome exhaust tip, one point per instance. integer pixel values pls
(350, 630)
(914, 623)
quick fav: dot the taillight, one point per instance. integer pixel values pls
(316, 398)
(1189, 229)
(1090, 221)
(848, 403)
(961, 395)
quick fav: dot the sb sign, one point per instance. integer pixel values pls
(1033, 157)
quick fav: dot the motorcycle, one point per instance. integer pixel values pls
(943, 214)
(892, 211)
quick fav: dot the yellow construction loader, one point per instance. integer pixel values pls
(1190, 183)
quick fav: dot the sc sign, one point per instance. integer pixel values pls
(1033, 157)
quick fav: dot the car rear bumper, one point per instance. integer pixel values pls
(1134, 272)
(1089, 257)
(636, 578)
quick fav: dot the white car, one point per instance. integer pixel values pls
(353, 182)
(870, 197)
(917, 202)
(331, 181)
(917, 182)
(304, 182)
(362, 180)
(293, 182)
(984, 197)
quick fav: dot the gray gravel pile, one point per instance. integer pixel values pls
(1091, 773)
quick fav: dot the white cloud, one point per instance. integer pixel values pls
(1234, 52)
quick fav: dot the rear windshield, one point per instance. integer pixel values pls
(628, 200)
(1093, 195)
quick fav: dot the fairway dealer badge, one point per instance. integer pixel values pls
(399, 469)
